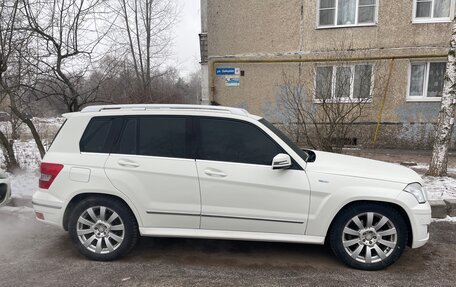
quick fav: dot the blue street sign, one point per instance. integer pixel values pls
(227, 71)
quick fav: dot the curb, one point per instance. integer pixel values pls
(443, 208)
(439, 208)
(451, 207)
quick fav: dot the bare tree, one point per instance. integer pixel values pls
(8, 21)
(145, 30)
(68, 33)
(439, 161)
(19, 98)
(320, 108)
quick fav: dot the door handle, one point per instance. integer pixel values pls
(127, 163)
(214, 173)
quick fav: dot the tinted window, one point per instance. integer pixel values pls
(154, 136)
(162, 136)
(128, 142)
(234, 141)
(286, 139)
(96, 136)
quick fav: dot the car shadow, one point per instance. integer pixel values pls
(232, 252)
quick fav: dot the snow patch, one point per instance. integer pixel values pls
(447, 219)
(440, 187)
(24, 184)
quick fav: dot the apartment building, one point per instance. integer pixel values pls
(250, 47)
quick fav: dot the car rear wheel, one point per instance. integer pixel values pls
(103, 228)
(368, 236)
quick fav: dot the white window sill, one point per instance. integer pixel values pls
(342, 101)
(346, 26)
(422, 99)
(431, 21)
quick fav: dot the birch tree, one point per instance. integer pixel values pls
(439, 161)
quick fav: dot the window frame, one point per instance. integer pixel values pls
(432, 19)
(424, 97)
(350, 99)
(334, 26)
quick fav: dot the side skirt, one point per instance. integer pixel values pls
(230, 235)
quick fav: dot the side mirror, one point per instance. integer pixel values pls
(281, 161)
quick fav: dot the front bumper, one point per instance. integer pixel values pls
(420, 219)
(48, 208)
(420, 231)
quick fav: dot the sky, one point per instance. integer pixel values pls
(185, 55)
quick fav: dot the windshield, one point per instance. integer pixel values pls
(286, 139)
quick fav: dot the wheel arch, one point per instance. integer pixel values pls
(397, 207)
(82, 196)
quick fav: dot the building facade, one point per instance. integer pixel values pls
(250, 49)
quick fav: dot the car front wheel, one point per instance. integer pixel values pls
(368, 236)
(103, 228)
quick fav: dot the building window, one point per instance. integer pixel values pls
(340, 13)
(426, 80)
(343, 82)
(433, 10)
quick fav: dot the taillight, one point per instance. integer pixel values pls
(49, 172)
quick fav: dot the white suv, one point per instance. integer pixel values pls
(116, 172)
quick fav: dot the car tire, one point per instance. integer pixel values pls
(368, 236)
(103, 228)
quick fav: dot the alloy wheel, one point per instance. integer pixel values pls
(100, 229)
(369, 237)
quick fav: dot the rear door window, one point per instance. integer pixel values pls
(164, 137)
(161, 136)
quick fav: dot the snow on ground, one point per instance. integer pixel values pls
(447, 219)
(437, 187)
(25, 183)
(440, 187)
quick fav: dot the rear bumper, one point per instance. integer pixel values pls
(50, 208)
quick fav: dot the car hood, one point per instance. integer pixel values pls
(344, 165)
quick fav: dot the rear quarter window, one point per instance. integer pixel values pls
(96, 137)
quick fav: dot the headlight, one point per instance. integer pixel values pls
(417, 191)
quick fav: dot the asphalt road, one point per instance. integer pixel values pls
(35, 254)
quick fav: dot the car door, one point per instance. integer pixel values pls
(152, 164)
(239, 189)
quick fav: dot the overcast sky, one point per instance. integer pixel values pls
(185, 53)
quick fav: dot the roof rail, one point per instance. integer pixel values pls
(236, 111)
